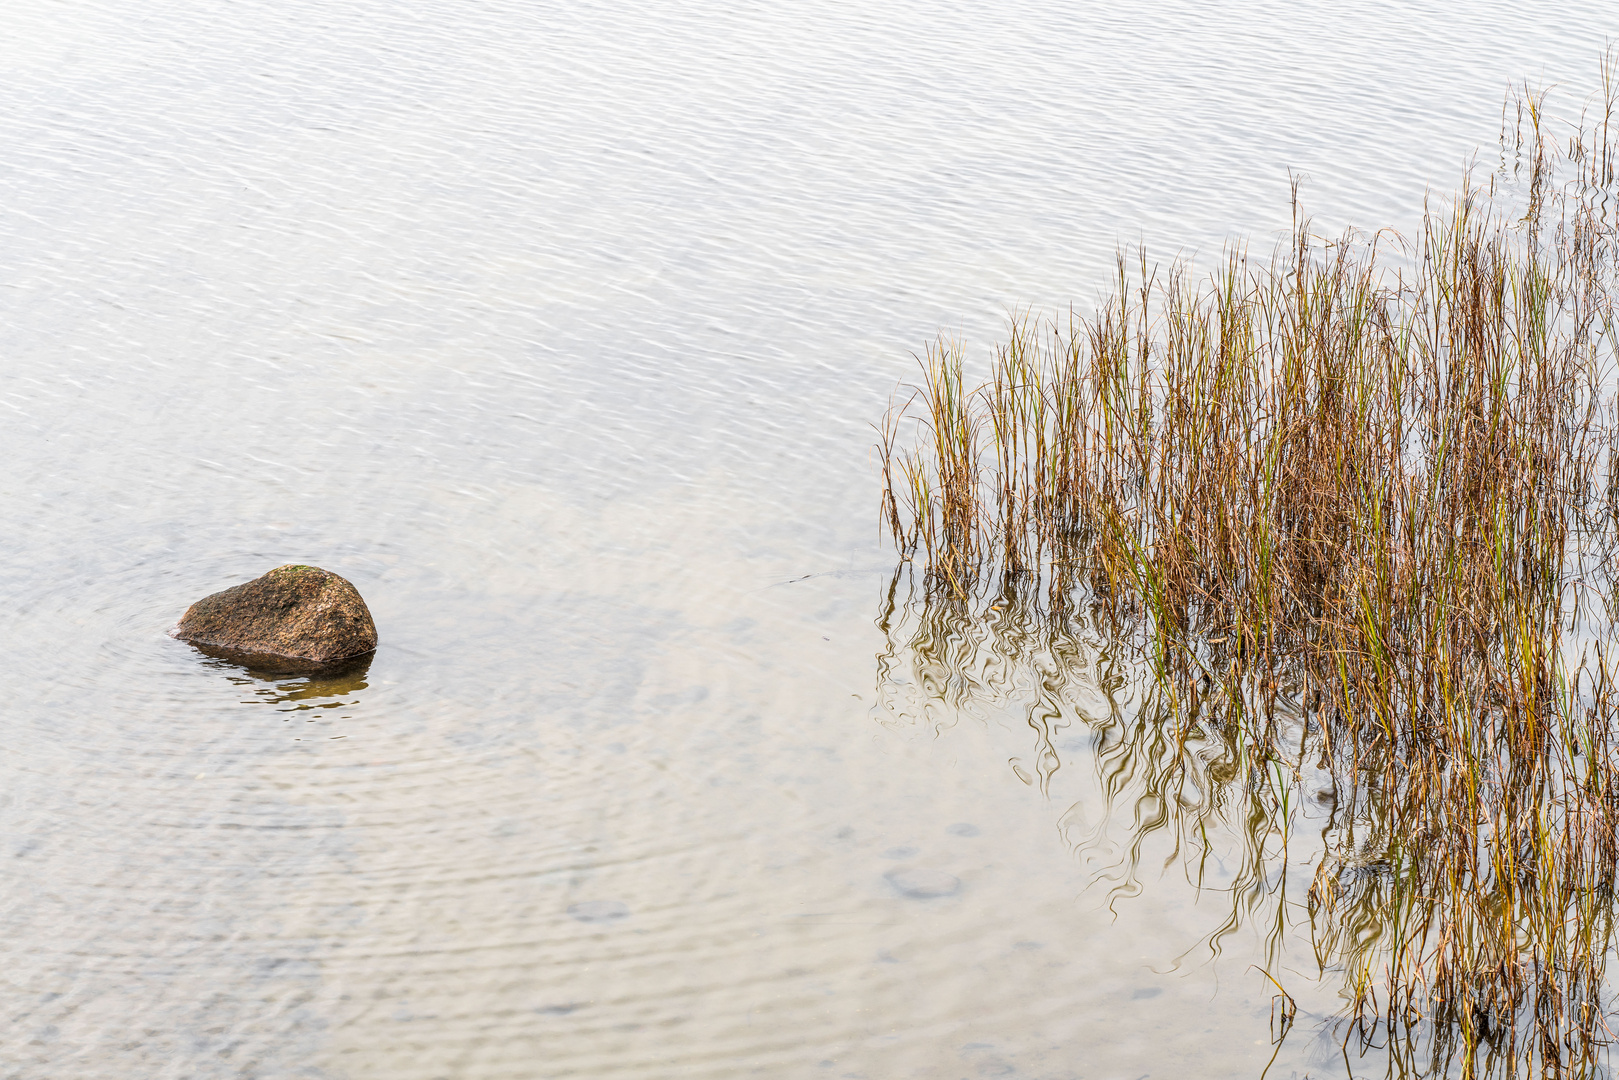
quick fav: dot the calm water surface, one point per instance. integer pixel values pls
(559, 329)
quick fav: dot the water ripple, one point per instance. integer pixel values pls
(558, 330)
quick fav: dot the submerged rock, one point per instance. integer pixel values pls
(922, 884)
(599, 910)
(295, 618)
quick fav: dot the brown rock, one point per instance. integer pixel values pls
(293, 618)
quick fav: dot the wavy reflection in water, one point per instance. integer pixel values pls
(296, 693)
(1308, 851)
(304, 699)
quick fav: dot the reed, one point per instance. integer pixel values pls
(1370, 485)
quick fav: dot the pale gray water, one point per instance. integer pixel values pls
(558, 330)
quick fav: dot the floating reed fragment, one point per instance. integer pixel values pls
(1369, 485)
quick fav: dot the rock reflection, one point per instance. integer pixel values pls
(333, 687)
(1302, 849)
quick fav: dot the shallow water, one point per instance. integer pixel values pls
(559, 331)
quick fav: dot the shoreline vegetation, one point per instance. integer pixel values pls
(1352, 508)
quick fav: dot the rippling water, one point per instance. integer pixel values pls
(559, 331)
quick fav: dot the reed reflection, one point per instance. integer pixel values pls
(1308, 842)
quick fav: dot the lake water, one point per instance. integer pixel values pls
(559, 330)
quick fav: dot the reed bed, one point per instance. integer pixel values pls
(1368, 485)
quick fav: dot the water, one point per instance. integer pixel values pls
(558, 330)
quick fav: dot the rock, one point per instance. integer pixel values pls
(295, 618)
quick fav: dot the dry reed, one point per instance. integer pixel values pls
(1370, 485)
